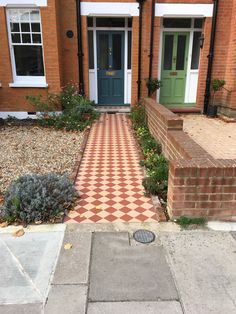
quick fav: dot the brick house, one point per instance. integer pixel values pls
(111, 47)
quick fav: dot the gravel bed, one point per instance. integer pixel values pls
(28, 149)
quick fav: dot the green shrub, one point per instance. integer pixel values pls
(77, 111)
(156, 182)
(36, 197)
(147, 142)
(137, 116)
(153, 84)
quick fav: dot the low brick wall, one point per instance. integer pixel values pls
(199, 185)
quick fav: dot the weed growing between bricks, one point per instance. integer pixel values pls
(155, 163)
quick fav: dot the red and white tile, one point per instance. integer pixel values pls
(110, 177)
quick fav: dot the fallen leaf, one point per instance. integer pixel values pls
(72, 212)
(99, 207)
(19, 233)
(38, 222)
(3, 225)
(67, 246)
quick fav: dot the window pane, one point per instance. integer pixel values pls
(15, 38)
(25, 27)
(24, 16)
(29, 60)
(116, 51)
(195, 51)
(103, 52)
(129, 49)
(90, 22)
(177, 23)
(91, 53)
(14, 16)
(36, 38)
(35, 27)
(181, 52)
(130, 22)
(34, 15)
(198, 23)
(15, 27)
(26, 38)
(168, 52)
(110, 22)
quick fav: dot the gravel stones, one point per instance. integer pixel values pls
(28, 149)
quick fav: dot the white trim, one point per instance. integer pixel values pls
(33, 85)
(183, 9)
(22, 114)
(16, 114)
(17, 3)
(110, 9)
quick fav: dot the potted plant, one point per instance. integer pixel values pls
(217, 85)
(153, 84)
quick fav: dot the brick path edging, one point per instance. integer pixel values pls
(80, 155)
(198, 185)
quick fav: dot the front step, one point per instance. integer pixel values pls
(113, 109)
(185, 110)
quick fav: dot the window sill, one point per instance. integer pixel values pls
(32, 85)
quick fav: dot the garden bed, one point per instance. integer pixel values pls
(29, 148)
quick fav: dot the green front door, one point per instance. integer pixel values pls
(110, 60)
(174, 67)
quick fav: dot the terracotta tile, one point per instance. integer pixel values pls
(110, 177)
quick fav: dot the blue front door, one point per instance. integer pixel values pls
(110, 54)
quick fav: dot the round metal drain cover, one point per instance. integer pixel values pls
(144, 236)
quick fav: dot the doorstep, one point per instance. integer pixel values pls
(185, 110)
(113, 109)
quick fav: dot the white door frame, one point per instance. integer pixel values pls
(192, 75)
(93, 78)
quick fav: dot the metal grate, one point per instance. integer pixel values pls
(144, 236)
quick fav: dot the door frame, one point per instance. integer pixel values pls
(127, 72)
(190, 72)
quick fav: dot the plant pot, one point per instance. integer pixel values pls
(212, 111)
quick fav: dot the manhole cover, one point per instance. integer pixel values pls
(144, 236)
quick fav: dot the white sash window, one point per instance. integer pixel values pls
(25, 38)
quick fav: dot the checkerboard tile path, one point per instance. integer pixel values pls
(110, 177)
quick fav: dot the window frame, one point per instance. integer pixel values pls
(20, 80)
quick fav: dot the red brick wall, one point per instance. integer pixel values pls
(61, 60)
(224, 64)
(13, 99)
(198, 184)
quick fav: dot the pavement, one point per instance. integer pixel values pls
(107, 272)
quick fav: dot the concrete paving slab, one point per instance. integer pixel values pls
(69, 299)
(15, 286)
(28, 264)
(120, 272)
(73, 264)
(35, 308)
(203, 264)
(167, 307)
